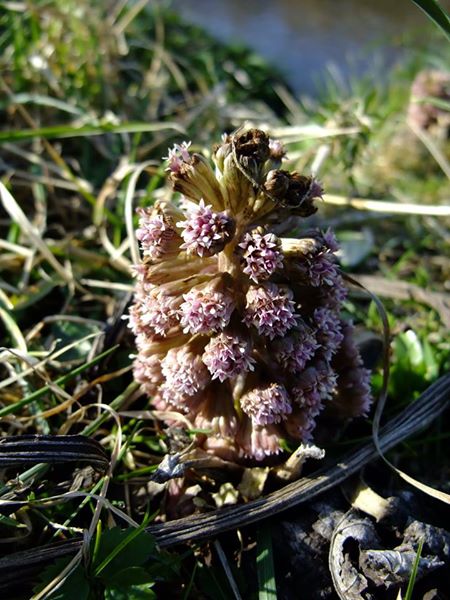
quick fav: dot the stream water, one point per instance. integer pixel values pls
(304, 38)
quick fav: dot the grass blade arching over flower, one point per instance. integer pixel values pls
(236, 327)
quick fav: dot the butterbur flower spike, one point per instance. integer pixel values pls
(237, 327)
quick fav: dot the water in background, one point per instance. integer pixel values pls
(306, 37)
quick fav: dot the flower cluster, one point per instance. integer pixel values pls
(237, 326)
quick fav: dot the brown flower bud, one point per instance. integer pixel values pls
(277, 183)
(301, 194)
(252, 147)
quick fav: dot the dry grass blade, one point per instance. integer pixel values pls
(414, 418)
(14, 505)
(33, 449)
(388, 207)
(226, 567)
(51, 356)
(432, 147)
(19, 217)
(423, 487)
(29, 564)
(315, 132)
(14, 331)
(134, 249)
(402, 290)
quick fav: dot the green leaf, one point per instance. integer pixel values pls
(67, 332)
(436, 13)
(130, 576)
(65, 131)
(120, 549)
(41, 100)
(355, 247)
(413, 348)
(414, 364)
(75, 587)
(134, 592)
(438, 102)
(430, 361)
(264, 565)
(167, 566)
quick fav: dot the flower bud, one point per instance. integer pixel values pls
(267, 405)
(301, 193)
(270, 309)
(277, 184)
(206, 232)
(252, 148)
(261, 254)
(228, 355)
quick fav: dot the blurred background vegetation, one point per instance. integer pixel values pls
(91, 96)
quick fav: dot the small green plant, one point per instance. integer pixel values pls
(125, 563)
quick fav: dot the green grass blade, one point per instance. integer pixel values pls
(25, 478)
(133, 533)
(65, 131)
(436, 13)
(13, 330)
(264, 564)
(61, 381)
(116, 404)
(42, 100)
(191, 583)
(412, 577)
(8, 522)
(438, 102)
